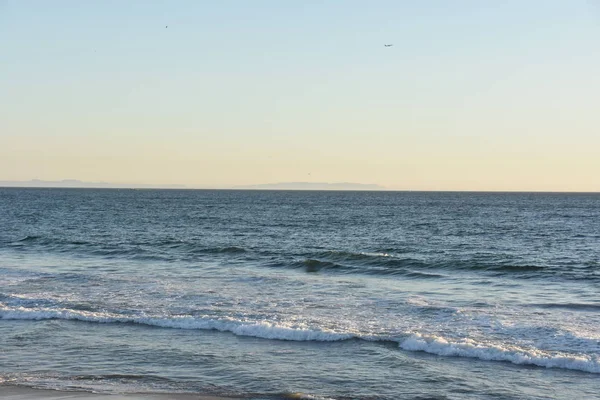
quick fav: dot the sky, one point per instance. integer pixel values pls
(473, 95)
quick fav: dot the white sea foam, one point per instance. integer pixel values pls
(260, 329)
(376, 254)
(9, 280)
(304, 396)
(493, 352)
(439, 345)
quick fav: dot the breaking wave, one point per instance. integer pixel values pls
(265, 330)
(432, 344)
(489, 352)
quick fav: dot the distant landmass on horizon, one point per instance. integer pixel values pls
(313, 186)
(75, 183)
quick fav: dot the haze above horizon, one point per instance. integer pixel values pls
(75, 183)
(471, 96)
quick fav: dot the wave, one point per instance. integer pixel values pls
(438, 345)
(29, 238)
(341, 256)
(382, 262)
(227, 250)
(569, 306)
(169, 243)
(265, 330)
(303, 396)
(312, 265)
(489, 352)
(510, 268)
(388, 262)
(386, 265)
(363, 268)
(128, 377)
(47, 241)
(159, 250)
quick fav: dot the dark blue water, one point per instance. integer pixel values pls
(339, 295)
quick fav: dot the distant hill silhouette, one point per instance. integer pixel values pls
(74, 183)
(313, 186)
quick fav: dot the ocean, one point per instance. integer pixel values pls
(300, 294)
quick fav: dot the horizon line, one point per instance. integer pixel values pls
(324, 187)
(231, 189)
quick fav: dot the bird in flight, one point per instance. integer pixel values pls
(388, 45)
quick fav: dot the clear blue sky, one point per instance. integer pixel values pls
(474, 95)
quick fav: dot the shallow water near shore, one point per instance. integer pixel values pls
(263, 294)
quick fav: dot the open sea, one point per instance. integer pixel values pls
(292, 294)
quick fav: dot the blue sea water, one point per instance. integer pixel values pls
(275, 294)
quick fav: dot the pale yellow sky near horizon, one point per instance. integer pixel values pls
(468, 98)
